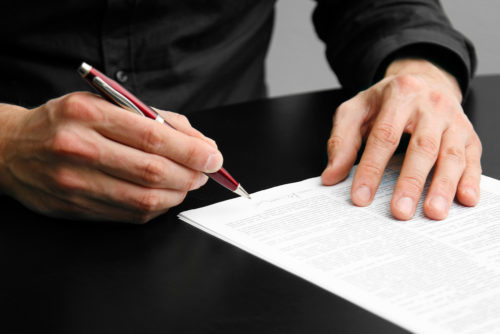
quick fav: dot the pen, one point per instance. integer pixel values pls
(115, 93)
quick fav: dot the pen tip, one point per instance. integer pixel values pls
(242, 192)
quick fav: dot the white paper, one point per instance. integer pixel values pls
(426, 276)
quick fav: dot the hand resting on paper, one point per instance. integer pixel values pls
(421, 99)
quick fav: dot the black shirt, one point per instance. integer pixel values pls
(184, 55)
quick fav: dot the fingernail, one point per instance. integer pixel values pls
(363, 195)
(202, 179)
(405, 206)
(214, 163)
(439, 203)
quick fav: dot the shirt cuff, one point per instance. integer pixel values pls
(456, 57)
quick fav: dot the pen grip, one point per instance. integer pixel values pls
(118, 95)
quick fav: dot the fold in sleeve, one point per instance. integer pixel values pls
(363, 36)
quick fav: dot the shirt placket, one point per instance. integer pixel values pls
(117, 42)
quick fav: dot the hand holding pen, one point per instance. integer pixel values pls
(80, 157)
(115, 93)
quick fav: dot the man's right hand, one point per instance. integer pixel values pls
(79, 156)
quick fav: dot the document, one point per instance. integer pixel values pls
(423, 275)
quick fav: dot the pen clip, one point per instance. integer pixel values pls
(118, 98)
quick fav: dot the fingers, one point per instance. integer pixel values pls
(468, 186)
(456, 159)
(182, 152)
(143, 203)
(146, 169)
(80, 208)
(181, 123)
(70, 191)
(417, 99)
(442, 137)
(65, 189)
(104, 196)
(449, 169)
(382, 141)
(345, 139)
(188, 148)
(421, 155)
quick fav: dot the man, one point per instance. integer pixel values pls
(72, 154)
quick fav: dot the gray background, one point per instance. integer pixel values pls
(296, 61)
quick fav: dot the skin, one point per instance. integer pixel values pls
(80, 156)
(421, 99)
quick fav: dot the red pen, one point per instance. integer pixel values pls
(115, 93)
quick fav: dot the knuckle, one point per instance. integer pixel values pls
(344, 107)
(372, 169)
(444, 182)
(66, 143)
(77, 106)
(192, 155)
(152, 171)
(183, 119)
(189, 182)
(148, 202)
(438, 98)
(384, 134)
(71, 104)
(149, 206)
(62, 142)
(67, 181)
(151, 140)
(444, 103)
(408, 83)
(453, 153)
(411, 183)
(425, 144)
(335, 142)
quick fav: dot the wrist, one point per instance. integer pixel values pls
(11, 118)
(423, 67)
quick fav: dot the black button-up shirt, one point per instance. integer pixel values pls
(184, 55)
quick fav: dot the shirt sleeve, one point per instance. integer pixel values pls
(363, 36)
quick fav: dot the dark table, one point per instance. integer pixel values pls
(167, 277)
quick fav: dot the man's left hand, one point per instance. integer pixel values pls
(421, 99)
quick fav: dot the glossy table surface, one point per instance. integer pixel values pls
(167, 277)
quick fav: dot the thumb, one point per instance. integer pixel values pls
(344, 142)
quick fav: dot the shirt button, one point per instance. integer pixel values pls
(121, 76)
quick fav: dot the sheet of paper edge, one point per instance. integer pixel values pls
(413, 326)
